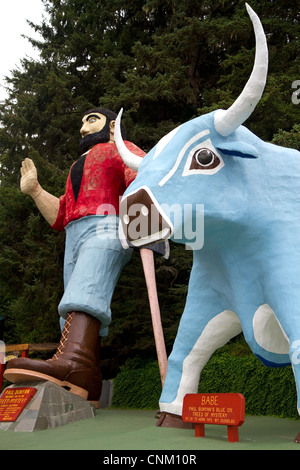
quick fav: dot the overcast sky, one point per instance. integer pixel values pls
(13, 16)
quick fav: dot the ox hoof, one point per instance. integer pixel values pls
(168, 420)
(297, 438)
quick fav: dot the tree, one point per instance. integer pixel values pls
(164, 61)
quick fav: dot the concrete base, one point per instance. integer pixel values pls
(51, 406)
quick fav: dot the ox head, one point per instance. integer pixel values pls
(196, 149)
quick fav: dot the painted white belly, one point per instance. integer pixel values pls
(268, 332)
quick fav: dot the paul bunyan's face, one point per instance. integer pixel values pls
(92, 123)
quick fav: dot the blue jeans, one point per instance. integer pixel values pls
(94, 259)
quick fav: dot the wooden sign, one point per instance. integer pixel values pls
(13, 402)
(215, 408)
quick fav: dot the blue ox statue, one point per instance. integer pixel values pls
(246, 276)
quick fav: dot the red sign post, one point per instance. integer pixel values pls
(215, 408)
(13, 402)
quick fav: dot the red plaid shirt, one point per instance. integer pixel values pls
(95, 183)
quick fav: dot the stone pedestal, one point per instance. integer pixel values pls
(50, 407)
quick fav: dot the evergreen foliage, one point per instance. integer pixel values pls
(164, 61)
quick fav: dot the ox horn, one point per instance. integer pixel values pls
(228, 121)
(130, 159)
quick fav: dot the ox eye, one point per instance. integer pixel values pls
(204, 159)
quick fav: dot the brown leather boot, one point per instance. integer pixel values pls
(73, 364)
(96, 385)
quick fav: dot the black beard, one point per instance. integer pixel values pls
(90, 140)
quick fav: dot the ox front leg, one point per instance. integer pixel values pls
(197, 339)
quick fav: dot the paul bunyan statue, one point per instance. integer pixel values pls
(94, 257)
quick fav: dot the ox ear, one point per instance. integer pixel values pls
(238, 149)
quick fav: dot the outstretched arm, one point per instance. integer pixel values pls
(47, 204)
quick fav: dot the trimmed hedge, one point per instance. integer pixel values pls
(267, 391)
(137, 386)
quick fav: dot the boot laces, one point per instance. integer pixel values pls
(64, 336)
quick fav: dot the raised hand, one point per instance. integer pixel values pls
(29, 182)
(47, 204)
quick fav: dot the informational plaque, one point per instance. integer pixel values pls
(13, 402)
(215, 408)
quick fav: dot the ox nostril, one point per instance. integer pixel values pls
(126, 219)
(145, 211)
